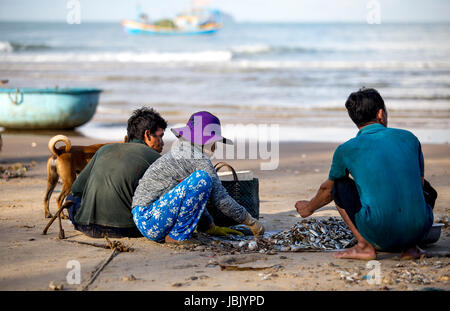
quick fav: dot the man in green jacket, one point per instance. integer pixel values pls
(103, 191)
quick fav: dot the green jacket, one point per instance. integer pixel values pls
(107, 184)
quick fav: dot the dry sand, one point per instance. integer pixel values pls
(31, 261)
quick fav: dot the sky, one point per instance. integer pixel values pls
(241, 10)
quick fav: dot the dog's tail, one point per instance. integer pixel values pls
(52, 142)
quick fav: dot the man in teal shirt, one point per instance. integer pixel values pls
(386, 204)
(104, 189)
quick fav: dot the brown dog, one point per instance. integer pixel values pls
(65, 163)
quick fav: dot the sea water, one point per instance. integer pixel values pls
(293, 75)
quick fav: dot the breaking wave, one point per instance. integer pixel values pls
(221, 58)
(354, 65)
(6, 47)
(254, 49)
(9, 47)
(123, 57)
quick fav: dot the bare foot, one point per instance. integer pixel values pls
(362, 250)
(190, 242)
(413, 253)
(303, 208)
(168, 239)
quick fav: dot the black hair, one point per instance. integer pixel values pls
(144, 119)
(363, 106)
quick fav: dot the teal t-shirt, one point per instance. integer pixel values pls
(387, 165)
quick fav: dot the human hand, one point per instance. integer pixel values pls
(222, 231)
(255, 226)
(303, 208)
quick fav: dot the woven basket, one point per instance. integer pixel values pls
(244, 192)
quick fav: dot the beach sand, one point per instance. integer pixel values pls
(30, 261)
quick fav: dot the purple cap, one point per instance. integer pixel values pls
(201, 129)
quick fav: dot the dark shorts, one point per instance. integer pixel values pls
(346, 196)
(98, 231)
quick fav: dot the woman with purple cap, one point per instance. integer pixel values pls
(170, 201)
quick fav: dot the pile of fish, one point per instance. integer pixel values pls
(314, 234)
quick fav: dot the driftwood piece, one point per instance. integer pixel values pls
(99, 269)
(116, 246)
(57, 215)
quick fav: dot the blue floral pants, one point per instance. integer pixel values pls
(177, 212)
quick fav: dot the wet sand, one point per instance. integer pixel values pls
(30, 261)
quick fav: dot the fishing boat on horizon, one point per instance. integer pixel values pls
(196, 21)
